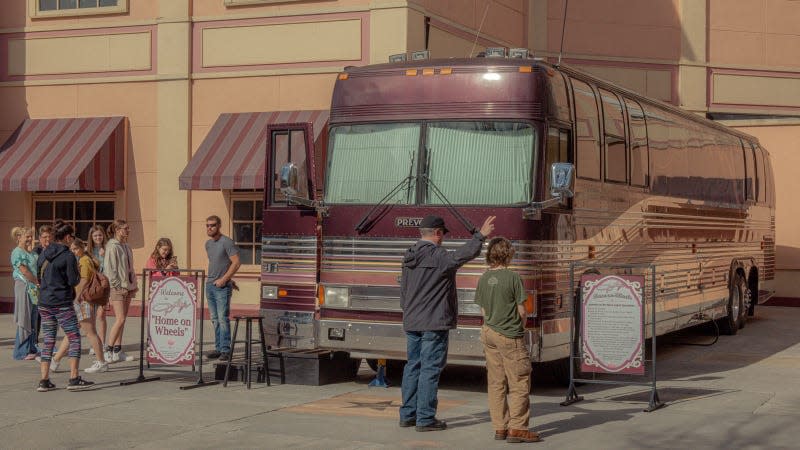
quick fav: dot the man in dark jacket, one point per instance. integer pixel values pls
(58, 270)
(430, 309)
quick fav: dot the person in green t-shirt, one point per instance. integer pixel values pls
(501, 296)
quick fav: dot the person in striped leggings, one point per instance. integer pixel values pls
(58, 276)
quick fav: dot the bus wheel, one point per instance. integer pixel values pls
(747, 303)
(731, 323)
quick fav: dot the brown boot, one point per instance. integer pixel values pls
(500, 435)
(515, 436)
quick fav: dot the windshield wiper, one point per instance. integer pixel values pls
(467, 224)
(363, 225)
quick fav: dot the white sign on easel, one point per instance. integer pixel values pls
(171, 320)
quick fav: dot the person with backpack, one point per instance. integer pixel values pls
(58, 276)
(86, 309)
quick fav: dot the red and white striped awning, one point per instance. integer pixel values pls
(84, 154)
(233, 155)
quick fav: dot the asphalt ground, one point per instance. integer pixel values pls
(741, 392)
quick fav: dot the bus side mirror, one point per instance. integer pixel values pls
(561, 175)
(289, 180)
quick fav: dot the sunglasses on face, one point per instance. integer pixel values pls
(212, 225)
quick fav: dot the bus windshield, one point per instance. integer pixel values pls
(469, 162)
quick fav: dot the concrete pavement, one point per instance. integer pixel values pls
(742, 392)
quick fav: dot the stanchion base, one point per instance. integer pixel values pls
(572, 396)
(141, 379)
(200, 383)
(655, 402)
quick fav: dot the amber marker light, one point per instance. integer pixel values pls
(282, 292)
(530, 303)
(525, 69)
(343, 76)
(321, 295)
(446, 70)
(427, 72)
(411, 72)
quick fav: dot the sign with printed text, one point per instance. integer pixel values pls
(171, 320)
(612, 312)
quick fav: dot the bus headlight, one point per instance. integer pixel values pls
(270, 292)
(337, 297)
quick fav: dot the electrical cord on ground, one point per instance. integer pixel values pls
(702, 316)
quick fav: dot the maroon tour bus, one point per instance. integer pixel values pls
(575, 169)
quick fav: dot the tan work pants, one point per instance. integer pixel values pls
(508, 366)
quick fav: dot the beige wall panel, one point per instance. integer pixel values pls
(143, 149)
(786, 283)
(692, 87)
(693, 37)
(516, 5)
(79, 54)
(15, 14)
(537, 25)
(653, 83)
(142, 240)
(15, 107)
(659, 13)
(174, 8)
(501, 22)
(739, 15)
(287, 43)
(735, 47)
(751, 90)
(784, 146)
(388, 33)
(306, 91)
(174, 48)
(214, 8)
(445, 45)
(204, 204)
(45, 102)
(142, 194)
(416, 32)
(137, 101)
(611, 39)
(462, 12)
(783, 50)
(198, 134)
(782, 17)
(12, 214)
(211, 97)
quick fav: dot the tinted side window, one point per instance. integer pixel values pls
(761, 176)
(750, 171)
(638, 141)
(559, 102)
(557, 148)
(614, 125)
(588, 131)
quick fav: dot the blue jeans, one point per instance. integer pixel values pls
(219, 307)
(427, 356)
(23, 347)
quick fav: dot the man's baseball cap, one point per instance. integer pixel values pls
(433, 222)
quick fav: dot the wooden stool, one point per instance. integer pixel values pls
(248, 348)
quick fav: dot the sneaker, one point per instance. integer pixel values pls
(436, 425)
(38, 358)
(408, 423)
(224, 356)
(516, 436)
(213, 354)
(98, 366)
(120, 356)
(78, 383)
(109, 356)
(45, 385)
(54, 365)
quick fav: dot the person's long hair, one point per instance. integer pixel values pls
(113, 226)
(162, 263)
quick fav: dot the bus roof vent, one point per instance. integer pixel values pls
(420, 54)
(495, 52)
(400, 57)
(519, 53)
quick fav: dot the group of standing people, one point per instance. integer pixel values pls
(430, 310)
(49, 282)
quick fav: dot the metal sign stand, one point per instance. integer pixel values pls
(572, 393)
(201, 276)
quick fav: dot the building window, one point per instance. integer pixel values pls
(82, 210)
(247, 217)
(230, 3)
(55, 8)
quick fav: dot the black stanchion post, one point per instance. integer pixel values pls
(201, 275)
(141, 378)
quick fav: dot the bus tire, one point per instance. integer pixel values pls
(747, 302)
(730, 324)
